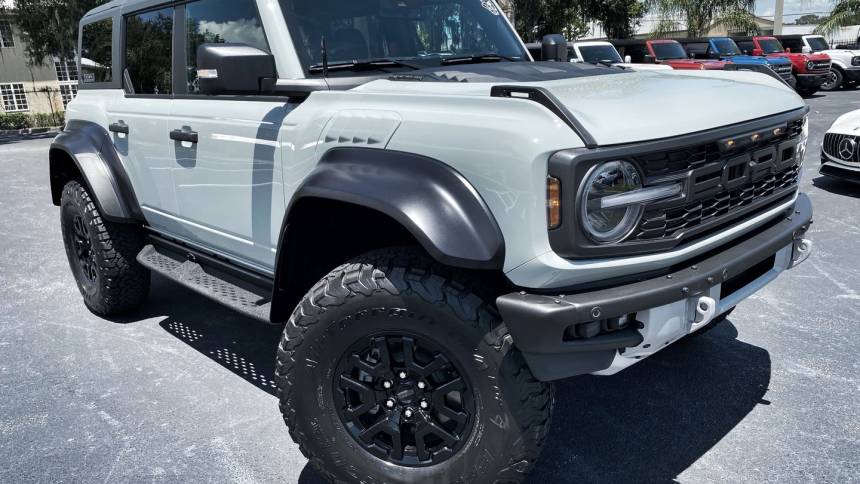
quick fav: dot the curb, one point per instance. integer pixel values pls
(24, 132)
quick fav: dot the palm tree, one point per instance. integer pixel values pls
(845, 13)
(701, 14)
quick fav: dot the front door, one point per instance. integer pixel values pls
(226, 151)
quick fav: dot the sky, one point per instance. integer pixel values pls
(795, 8)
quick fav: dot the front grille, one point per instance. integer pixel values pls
(669, 163)
(667, 223)
(842, 147)
(821, 66)
(756, 194)
(784, 71)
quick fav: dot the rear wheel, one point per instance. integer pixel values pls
(394, 369)
(102, 255)
(834, 80)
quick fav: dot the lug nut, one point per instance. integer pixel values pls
(402, 375)
(424, 404)
(389, 403)
(386, 384)
(407, 413)
(422, 385)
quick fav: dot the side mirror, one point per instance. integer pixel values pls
(757, 51)
(628, 59)
(806, 50)
(554, 48)
(233, 68)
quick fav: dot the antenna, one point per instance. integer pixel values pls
(324, 53)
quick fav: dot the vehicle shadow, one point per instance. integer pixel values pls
(652, 421)
(647, 424)
(837, 186)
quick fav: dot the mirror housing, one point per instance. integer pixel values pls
(757, 51)
(233, 68)
(628, 59)
(554, 48)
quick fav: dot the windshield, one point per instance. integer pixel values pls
(771, 46)
(817, 44)
(668, 50)
(417, 32)
(726, 47)
(599, 53)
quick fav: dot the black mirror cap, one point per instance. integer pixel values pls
(554, 48)
(233, 68)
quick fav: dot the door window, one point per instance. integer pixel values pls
(96, 55)
(219, 22)
(148, 52)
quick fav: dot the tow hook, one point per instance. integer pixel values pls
(801, 251)
(706, 309)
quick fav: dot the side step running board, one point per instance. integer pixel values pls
(244, 297)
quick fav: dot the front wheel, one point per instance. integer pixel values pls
(393, 369)
(834, 80)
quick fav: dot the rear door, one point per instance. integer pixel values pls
(228, 184)
(138, 117)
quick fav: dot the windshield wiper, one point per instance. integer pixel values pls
(478, 58)
(363, 64)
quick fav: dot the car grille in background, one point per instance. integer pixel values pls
(688, 220)
(842, 147)
(821, 66)
(783, 71)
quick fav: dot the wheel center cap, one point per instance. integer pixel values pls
(405, 395)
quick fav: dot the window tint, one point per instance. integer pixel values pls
(148, 52)
(96, 56)
(219, 22)
(796, 45)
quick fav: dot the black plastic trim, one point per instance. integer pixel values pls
(419, 193)
(548, 100)
(92, 150)
(538, 322)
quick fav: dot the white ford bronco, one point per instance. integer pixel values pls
(442, 225)
(845, 67)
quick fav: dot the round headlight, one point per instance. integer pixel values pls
(603, 221)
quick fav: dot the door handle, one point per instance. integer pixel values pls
(184, 134)
(119, 127)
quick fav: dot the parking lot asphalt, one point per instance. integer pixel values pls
(182, 390)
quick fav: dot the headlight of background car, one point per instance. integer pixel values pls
(610, 224)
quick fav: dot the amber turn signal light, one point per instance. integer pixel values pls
(553, 202)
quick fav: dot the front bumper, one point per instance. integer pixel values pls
(839, 170)
(658, 310)
(852, 74)
(811, 80)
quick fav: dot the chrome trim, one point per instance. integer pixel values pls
(643, 195)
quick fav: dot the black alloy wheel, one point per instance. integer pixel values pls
(403, 399)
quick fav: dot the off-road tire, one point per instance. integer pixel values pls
(713, 324)
(114, 282)
(402, 290)
(837, 80)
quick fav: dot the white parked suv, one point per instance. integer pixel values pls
(442, 225)
(840, 152)
(598, 51)
(845, 67)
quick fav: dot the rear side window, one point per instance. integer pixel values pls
(149, 38)
(219, 22)
(96, 55)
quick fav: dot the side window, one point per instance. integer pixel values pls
(96, 55)
(796, 45)
(148, 47)
(219, 22)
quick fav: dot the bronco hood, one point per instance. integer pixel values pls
(620, 106)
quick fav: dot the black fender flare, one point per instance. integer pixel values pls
(430, 199)
(91, 149)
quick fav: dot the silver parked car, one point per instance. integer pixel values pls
(442, 225)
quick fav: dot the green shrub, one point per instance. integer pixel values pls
(15, 121)
(46, 120)
(24, 120)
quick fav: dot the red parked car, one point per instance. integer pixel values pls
(810, 69)
(668, 52)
